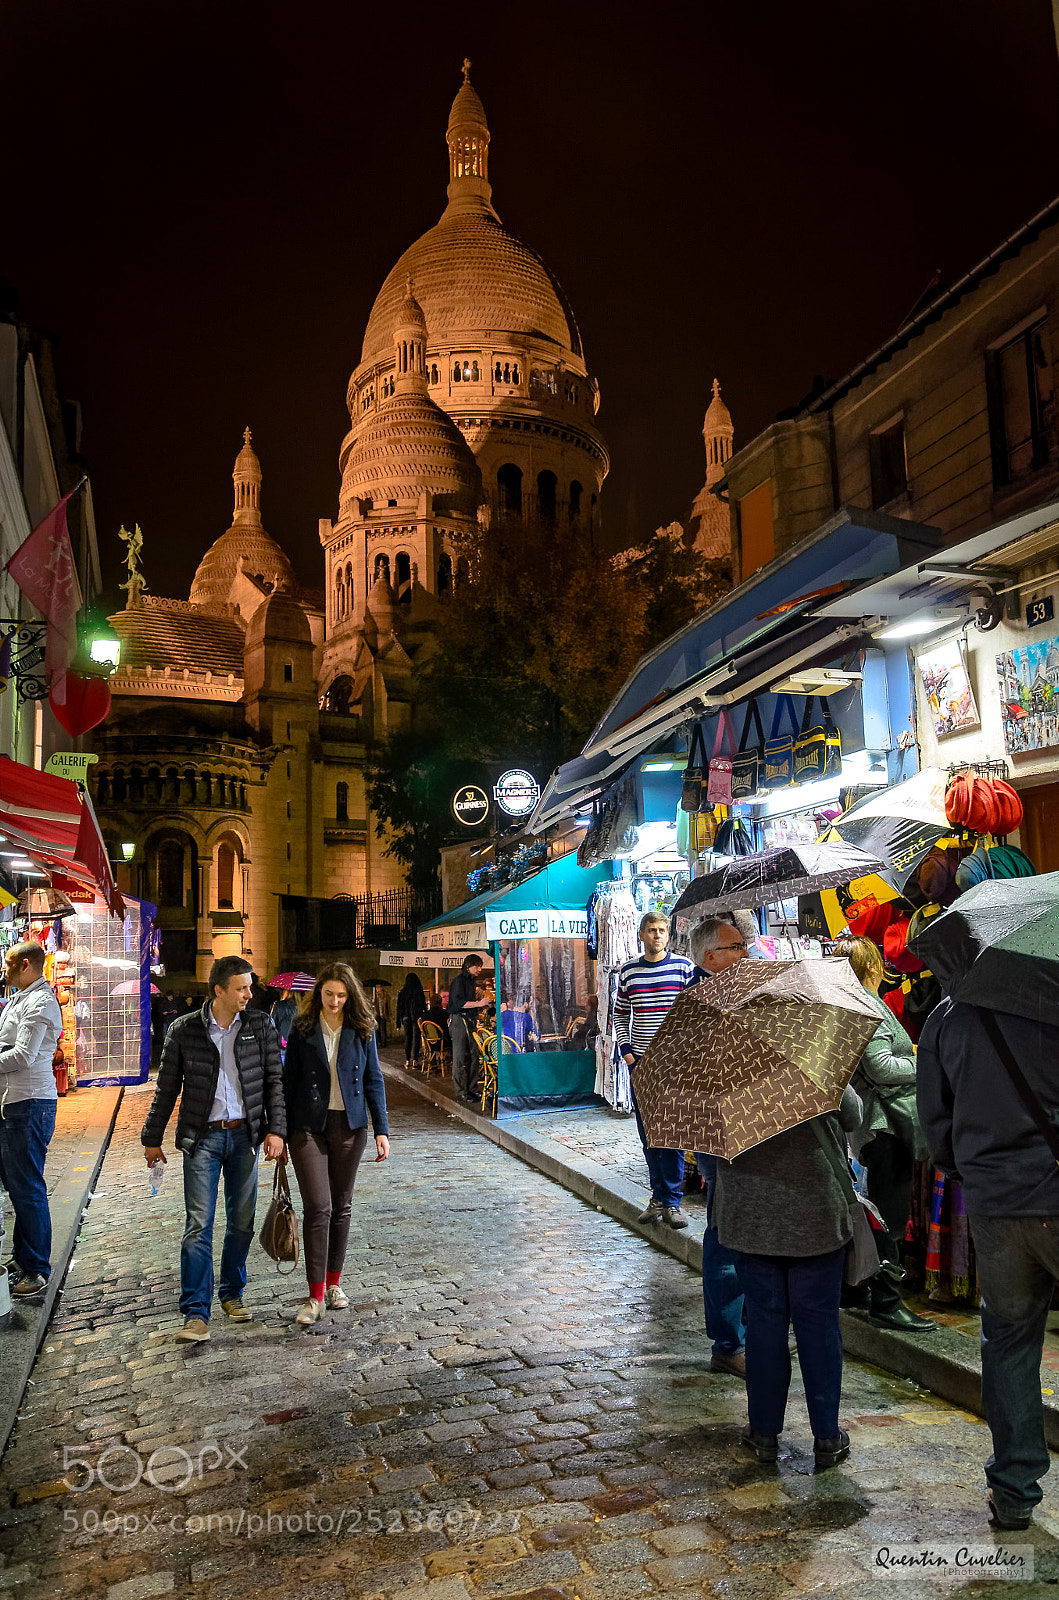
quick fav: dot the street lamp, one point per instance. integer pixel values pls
(104, 647)
(128, 849)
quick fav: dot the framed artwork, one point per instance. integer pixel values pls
(948, 689)
(1029, 696)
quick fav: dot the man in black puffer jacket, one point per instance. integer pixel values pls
(224, 1062)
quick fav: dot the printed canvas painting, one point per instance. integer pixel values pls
(1029, 696)
(948, 689)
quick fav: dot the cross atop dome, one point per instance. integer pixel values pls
(466, 69)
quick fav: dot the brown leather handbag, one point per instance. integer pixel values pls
(279, 1231)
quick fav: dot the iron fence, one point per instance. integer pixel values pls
(354, 922)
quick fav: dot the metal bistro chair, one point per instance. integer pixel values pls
(487, 1052)
(433, 1037)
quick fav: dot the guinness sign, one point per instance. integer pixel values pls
(470, 805)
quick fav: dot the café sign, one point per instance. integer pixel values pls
(544, 924)
(517, 792)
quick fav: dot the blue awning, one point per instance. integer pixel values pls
(852, 549)
(561, 886)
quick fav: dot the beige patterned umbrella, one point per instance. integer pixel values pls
(752, 1051)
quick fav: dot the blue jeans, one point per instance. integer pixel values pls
(26, 1129)
(722, 1297)
(665, 1168)
(227, 1151)
(803, 1290)
(1018, 1263)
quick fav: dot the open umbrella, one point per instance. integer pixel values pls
(299, 982)
(752, 1051)
(131, 986)
(999, 946)
(901, 825)
(776, 875)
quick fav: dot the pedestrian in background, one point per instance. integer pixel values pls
(224, 1063)
(647, 987)
(716, 944)
(783, 1208)
(411, 1006)
(887, 1143)
(29, 1033)
(283, 1013)
(978, 1125)
(465, 1010)
(332, 1082)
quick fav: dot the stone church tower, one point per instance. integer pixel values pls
(710, 523)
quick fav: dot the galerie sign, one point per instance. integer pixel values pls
(517, 792)
(470, 805)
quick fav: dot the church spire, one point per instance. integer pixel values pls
(717, 432)
(467, 137)
(410, 345)
(246, 476)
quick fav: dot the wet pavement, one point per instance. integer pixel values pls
(517, 1403)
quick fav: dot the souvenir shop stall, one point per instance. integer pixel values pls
(100, 968)
(545, 982)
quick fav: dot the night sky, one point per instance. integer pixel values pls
(203, 200)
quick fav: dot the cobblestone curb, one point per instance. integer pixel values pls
(24, 1334)
(945, 1362)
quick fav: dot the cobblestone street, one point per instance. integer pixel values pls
(517, 1403)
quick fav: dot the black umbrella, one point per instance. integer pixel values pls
(999, 946)
(774, 875)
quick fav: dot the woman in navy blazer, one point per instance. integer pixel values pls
(331, 1081)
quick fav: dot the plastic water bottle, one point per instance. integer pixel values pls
(156, 1172)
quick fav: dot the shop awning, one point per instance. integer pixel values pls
(715, 660)
(52, 820)
(550, 904)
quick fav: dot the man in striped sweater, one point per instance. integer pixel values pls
(647, 988)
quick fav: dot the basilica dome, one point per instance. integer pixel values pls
(246, 538)
(474, 278)
(409, 445)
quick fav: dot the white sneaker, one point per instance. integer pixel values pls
(335, 1299)
(309, 1312)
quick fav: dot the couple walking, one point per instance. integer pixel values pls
(235, 1094)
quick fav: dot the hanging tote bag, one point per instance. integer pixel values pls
(817, 749)
(778, 763)
(719, 783)
(279, 1231)
(746, 764)
(693, 790)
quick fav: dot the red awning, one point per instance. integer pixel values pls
(53, 821)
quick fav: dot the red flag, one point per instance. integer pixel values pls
(43, 567)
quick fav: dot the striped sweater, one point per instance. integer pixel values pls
(646, 990)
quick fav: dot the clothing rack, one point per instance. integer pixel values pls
(979, 769)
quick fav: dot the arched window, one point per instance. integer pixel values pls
(456, 373)
(433, 372)
(340, 592)
(342, 802)
(225, 875)
(474, 372)
(514, 373)
(444, 576)
(498, 373)
(576, 492)
(170, 873)
(382, 568)
(404, 577)
(509, 490)
(338, 697)
(547, 485)
(507, 372)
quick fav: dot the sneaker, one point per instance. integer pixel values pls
(829, 1452)
(735, 1363)
(335, 1298)
(235, 1311)
(309, 1313)
(766, 1446)
(653, 1213)
(195, 1331)
(29, 1286)
(675, 1218)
